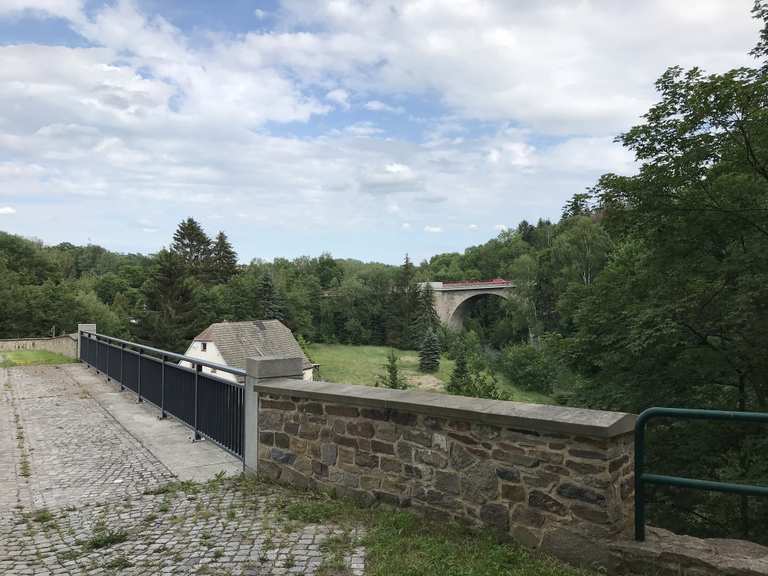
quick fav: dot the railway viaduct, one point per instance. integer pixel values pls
(451, 298)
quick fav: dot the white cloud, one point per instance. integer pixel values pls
(147, 121)
(379, 106)
(560, 67)
(433, 229)
(259, 13)
(7, 210)
(70, 9)
(501, 227)
(339, 97)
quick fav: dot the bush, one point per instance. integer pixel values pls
(527, 368)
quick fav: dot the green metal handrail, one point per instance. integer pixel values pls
(641, 477)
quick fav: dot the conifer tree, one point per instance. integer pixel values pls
(391, 378)
(429, 355)
(171, 317)
(223, 260)
(193, 245)
(460, 377)
(426, 317)
(271, 304)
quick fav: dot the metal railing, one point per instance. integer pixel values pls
(642, 477)
(212, 407)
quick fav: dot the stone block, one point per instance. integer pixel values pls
(361, 428)
(479, 483)
(282, 457)
(495, 515)
(431, 458)
(373, 414)
(277, 405)
(382, 447)
(341, 410)
(540, 500)
(311, 408)
(282, 440)
(328, 453)
(575, 492)
(391, 465)
(403, 418)
(513, 493)
(385, 431)
(267, 438)
(447, 482)
(366, 460)
(508, 474)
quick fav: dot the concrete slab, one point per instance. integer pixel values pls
(168, 440)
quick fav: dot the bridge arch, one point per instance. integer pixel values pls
(455, 320)
(452, 298)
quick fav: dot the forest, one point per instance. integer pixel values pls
(650, 290)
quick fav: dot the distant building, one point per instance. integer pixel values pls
(231, 343)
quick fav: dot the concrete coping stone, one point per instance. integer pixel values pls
(518, 415)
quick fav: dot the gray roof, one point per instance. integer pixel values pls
(238, 341)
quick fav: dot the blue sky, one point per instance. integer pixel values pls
(365, 129)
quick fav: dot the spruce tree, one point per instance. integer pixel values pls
(391, 378)
(193, 245)
(460, 377)
(223, 260)
(426, 317)
(429, 355)
(270, 301)
(171, 317)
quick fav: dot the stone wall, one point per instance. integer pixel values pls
(544, 474)
(65, 345)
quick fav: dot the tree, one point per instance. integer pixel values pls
(425, 316)
(270, 301)
(391, 377)
(223, 260)
(402, 304)
(678, 317)
(193, 245)
(460, 376)
(429, 354)
(172, 316)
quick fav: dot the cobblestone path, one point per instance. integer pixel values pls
(80, 495)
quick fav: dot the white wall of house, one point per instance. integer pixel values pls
(309, 374)
(209, 352)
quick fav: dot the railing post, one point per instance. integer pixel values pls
(138, 389)
(96, 338)
(122, 364)
(198, 368)
(109, 348)
(162, 387)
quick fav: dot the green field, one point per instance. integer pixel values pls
(32, 358)
(347, 364)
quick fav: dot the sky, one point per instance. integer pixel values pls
(363, 128)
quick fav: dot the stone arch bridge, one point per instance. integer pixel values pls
(452, 298)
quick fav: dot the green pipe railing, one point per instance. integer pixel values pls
(642, 478)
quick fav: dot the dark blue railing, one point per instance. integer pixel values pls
(212, 407)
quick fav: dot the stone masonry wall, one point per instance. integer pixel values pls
(543, 488)
(65, 345)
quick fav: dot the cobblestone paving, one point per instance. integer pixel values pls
(79, 495)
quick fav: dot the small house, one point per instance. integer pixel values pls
(232, 343)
